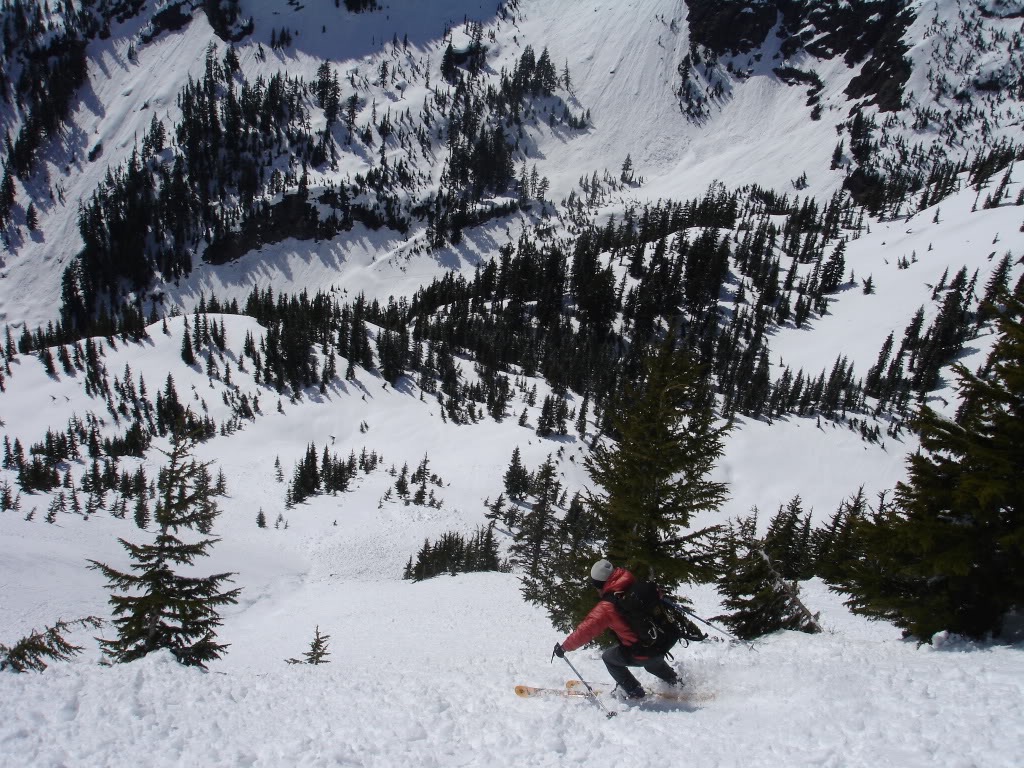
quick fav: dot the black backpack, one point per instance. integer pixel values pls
(657, 624)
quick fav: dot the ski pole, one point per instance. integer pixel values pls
(593, 694)
(688, 612)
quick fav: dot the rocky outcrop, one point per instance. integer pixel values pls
(867, 32)
(731, 26)
(885, 73)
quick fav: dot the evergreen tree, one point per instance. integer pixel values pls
(453, 554)
(141, 512)
(317, 653)
(32, 652)
(497, 512)
(787, 541)
(560, 583)
(402, 483)
(534, 537)
(950, 554)
(759, 598)
(656, 476)
(187, 354)
(839, 543)
(517, 479)
(448, 63)
(158, 608)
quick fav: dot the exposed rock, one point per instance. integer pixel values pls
(170, 19)
(867, 32)
(886, 73)
(731, 26)
(1001, 9)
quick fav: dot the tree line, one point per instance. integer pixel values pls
(941, 553)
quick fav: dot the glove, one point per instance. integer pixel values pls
(559, 651)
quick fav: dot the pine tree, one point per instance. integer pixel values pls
(626, 175)
(497, 512)
(534, 537)
(155, 607)
(516, 479)
(32, 651)
(950, 554)
(546, 422)
(656, 476)
(187, 355)
(402, 483)
(317, 653)
(759, 598)
(141, 513)
(787, 540)
(838, 543)
(572, 547)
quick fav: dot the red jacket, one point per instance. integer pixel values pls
(604, 616)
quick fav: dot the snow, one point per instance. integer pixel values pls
(422, 674)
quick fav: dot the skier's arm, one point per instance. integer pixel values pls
(596, 622)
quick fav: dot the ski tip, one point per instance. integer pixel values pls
(524, 690)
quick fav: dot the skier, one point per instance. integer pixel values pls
(608, 580)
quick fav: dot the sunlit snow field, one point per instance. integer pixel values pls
(422, 674)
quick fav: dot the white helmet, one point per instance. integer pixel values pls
(601, 571)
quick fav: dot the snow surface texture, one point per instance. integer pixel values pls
(422, 674)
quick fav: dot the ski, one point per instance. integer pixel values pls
(529, 691)
(574, 686)
(577, 688)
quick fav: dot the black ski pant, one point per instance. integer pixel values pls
(618, 659)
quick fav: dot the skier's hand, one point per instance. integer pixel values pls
(559, 651)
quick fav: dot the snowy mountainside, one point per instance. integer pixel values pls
(423, 672)
(624, 60)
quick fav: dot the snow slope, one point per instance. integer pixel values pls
(626, 76)
(422, 673)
